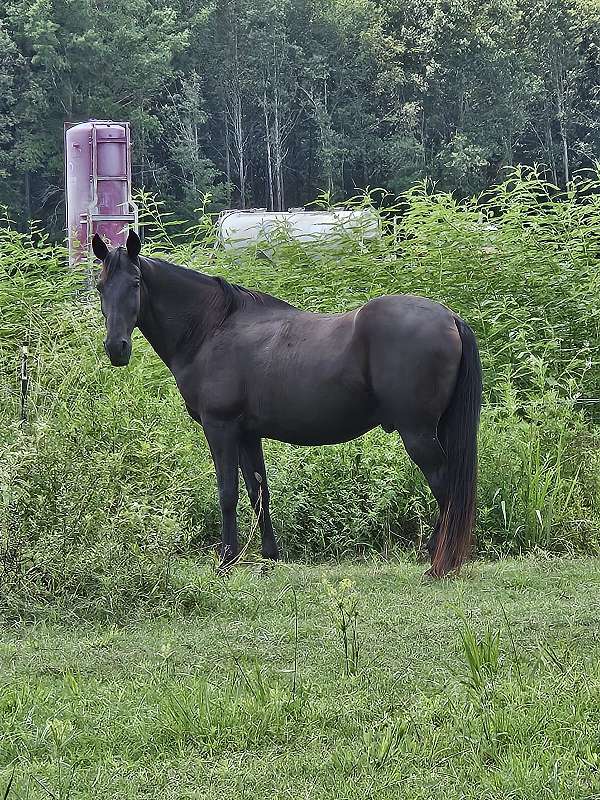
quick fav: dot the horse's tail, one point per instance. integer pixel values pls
(457, 432)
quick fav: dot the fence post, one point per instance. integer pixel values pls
(24, 383)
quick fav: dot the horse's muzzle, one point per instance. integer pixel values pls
(118, 350)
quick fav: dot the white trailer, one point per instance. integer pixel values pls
(262, 228)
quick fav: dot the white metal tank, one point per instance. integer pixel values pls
(239, 229)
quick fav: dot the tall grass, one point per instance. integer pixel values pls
(110, 483)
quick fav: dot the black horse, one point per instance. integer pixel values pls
(250, 366)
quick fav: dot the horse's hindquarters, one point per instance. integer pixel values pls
(414, 352)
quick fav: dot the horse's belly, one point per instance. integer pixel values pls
(317, 435)
(315, 418)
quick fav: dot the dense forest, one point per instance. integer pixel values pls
(268, 104)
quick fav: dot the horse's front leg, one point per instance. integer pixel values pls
(223, 442)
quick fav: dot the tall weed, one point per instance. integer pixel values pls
(110, 481)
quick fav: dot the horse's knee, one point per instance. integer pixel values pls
(228, 501)
(259, 497)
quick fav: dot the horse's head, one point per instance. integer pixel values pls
(119, 287)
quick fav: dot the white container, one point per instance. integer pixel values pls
(258, 227)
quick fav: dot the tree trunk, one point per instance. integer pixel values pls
(550, 149)
(423, 129)
(278, 155)
(509, 136)
(269, 158)
(561, 113)
(565, 156)
(227, 158)
(238, 122)
(28, 195)
(142, 151)
(238, 138)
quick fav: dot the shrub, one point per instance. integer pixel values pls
(110, 483)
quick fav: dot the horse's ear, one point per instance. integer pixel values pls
(99, 247)
(133, 245)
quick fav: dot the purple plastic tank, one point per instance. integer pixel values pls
(97, 185)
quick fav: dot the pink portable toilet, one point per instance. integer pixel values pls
(97, 185)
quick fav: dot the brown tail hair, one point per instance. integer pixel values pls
(457, 432)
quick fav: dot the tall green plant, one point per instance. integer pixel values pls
(110, 483)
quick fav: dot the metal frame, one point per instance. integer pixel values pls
(91, 216)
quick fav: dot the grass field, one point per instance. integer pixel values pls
(130, 670)
(483, 687)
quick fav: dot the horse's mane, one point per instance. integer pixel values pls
(234, 296)
(113, 264)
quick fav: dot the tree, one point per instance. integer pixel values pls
(270, 103)
(184, 139)
(84, 60)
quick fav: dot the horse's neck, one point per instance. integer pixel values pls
(176, 311)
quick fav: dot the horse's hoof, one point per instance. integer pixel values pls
(267, 566)
(226, 562)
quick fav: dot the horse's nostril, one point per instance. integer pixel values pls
(117, 349)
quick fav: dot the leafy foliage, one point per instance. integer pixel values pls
(110, 483)
(266, 104)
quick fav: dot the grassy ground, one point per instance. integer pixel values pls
(484, 687)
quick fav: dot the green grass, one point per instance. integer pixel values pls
(129, 671)
(487, 686)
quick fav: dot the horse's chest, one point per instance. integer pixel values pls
(217, 392)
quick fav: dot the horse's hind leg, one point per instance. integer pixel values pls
(426, 451)
(252, 464)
